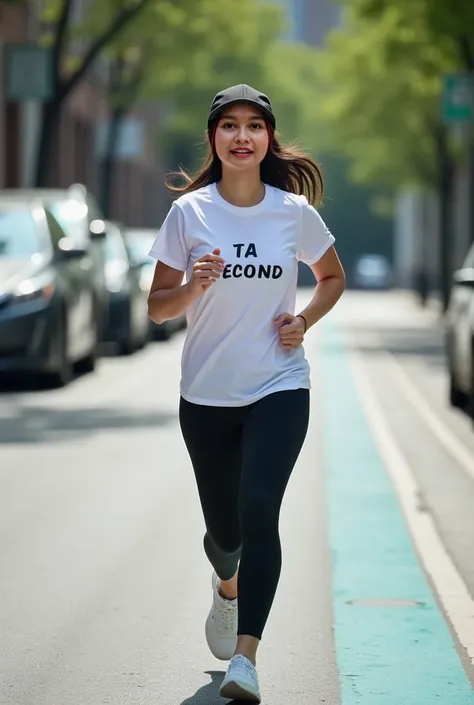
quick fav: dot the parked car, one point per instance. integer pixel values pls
(75, 209)
(49, 318)
(460, 337)
(127, 318)
(372, 271)
(139, 242)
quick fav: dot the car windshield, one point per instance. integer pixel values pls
(469, 261)
(19, 235)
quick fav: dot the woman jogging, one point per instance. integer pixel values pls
(237, 232)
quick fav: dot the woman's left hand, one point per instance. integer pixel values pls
(291, 330)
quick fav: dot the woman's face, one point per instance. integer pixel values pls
(241, 139)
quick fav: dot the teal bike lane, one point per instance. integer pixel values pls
(393, 645)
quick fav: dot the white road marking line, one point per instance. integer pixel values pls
(453, 445)
(451, 589)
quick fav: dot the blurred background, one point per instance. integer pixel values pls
(100, 528)
(100, 100)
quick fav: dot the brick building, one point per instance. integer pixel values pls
(138, 196)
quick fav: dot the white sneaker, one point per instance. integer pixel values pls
(221, 624)
(241, 681)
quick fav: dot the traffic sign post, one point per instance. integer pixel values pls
(28, 72)
(458, 99)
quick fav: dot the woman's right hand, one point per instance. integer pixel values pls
(206, 271)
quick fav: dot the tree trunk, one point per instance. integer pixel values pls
(52, 109)
(466, 49)
(423, 284)
(49, 131)
(109, 161)
(471, 190)
(445, 189)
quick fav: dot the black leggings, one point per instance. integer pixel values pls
(242, 459)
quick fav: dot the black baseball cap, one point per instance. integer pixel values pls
(241, 94)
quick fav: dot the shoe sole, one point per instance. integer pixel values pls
(234, 691)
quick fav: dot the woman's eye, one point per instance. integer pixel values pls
(231, 125)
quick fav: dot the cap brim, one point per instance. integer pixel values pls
(217, 111)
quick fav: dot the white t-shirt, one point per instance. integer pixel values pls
(232, 355)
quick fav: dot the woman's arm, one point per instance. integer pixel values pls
(168, 297)
(331, 282)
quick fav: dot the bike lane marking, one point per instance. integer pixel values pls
(393, 643)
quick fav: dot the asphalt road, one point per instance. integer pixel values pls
(104, 587)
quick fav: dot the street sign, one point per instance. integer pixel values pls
(458, 99)
(28, 72)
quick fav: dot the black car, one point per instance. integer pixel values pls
(460, 336)
(75, 209)
(49, 318)
(139, 242)
(127, 319)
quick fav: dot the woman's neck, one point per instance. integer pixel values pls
(241, 189)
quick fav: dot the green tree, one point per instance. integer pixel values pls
(181, 39)
(198, 46)
(223, 61)
(69, 67)
(127, 72)
(286, 72)
(451, 20)
(382, 85)
(384, 97)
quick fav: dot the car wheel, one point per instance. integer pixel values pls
(64, 371)
(143, 340)
(161, 332)
(457, 398)
(470, 405)
(88, 363)
(127, 346)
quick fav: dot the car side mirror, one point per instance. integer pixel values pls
(68, 250)
(97, 230)
(464, 277)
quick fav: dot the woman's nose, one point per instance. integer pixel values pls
(242, 135)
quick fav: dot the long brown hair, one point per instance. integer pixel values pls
(284, 166)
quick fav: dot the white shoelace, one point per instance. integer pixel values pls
(227, 615)
(240, 661)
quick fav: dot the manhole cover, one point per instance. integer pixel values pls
(384, 602)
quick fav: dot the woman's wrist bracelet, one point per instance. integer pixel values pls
(305, 321)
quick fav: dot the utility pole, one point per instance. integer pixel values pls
(457, 116)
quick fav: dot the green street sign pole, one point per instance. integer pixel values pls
(458, 111)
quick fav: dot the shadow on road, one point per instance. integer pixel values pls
(18, 382)
(208, 694)
(36, 424)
